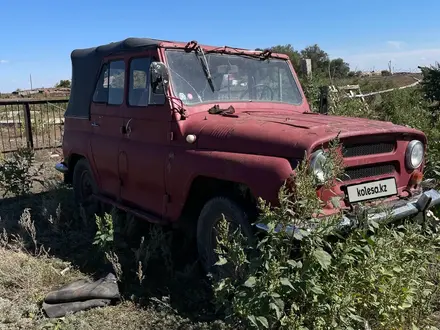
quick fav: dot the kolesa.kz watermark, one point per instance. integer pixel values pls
(371, 190)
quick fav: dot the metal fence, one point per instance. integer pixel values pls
(35, 123)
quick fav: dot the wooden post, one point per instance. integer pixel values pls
(306, 67)
(28, 125)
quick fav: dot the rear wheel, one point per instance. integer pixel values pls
(85, 188)
(210, 216)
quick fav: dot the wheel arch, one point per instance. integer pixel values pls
(201, 171)
(71, 163)
(204, 188)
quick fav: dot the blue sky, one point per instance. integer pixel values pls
(38, 36)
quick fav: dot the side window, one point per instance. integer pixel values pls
(138, 91)
(116, 81)
(101, 89)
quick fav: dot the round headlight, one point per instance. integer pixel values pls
(317, 162)
(414, 154)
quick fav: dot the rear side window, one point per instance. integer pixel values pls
(116, 82)
(101, 90)
(138, 92)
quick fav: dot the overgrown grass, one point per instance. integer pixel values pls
(372, 277)
(46, 242)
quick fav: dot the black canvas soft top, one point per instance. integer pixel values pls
(86, 64)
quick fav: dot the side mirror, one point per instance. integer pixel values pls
(159, 77)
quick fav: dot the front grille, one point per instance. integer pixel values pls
(355, 173)
(368, 149)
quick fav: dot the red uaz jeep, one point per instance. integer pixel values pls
(169, 130)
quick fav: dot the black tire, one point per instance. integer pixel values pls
(211, 213)
(84, 187)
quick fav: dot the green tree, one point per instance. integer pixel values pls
(339, 68)
(320, 59)
(63, 84)
(352, 74)
(293, 54)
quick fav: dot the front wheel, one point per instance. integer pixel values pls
(210, 216)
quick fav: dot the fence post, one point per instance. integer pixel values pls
(28, 125)
(306, 67)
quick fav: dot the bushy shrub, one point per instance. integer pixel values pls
(386, 277)
(431, 82)
(374, 276)
(405, 107)
(105, 231)
(17, 172)
(311, 87)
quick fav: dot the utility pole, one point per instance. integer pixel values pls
(30, 78)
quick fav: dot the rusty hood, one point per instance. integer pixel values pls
(284, 133)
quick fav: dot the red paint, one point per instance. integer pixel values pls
(152, 168)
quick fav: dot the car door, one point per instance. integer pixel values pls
(144, 147)
(106, 121)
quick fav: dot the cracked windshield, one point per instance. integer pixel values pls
(233, 78)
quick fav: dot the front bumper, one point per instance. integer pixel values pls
(410, 208)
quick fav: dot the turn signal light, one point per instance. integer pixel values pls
(416, 178)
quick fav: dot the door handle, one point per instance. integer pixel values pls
(94, 124)
(126, 129)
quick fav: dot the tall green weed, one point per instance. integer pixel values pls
(373, 277)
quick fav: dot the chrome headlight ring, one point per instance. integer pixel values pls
(415, 152)
(317, 161)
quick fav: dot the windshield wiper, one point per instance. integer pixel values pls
(193, 45)
(205, 67)
(262, 54)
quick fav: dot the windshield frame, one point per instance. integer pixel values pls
(289, 69)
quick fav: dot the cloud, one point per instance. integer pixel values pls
(4, 61)
(395, 44)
